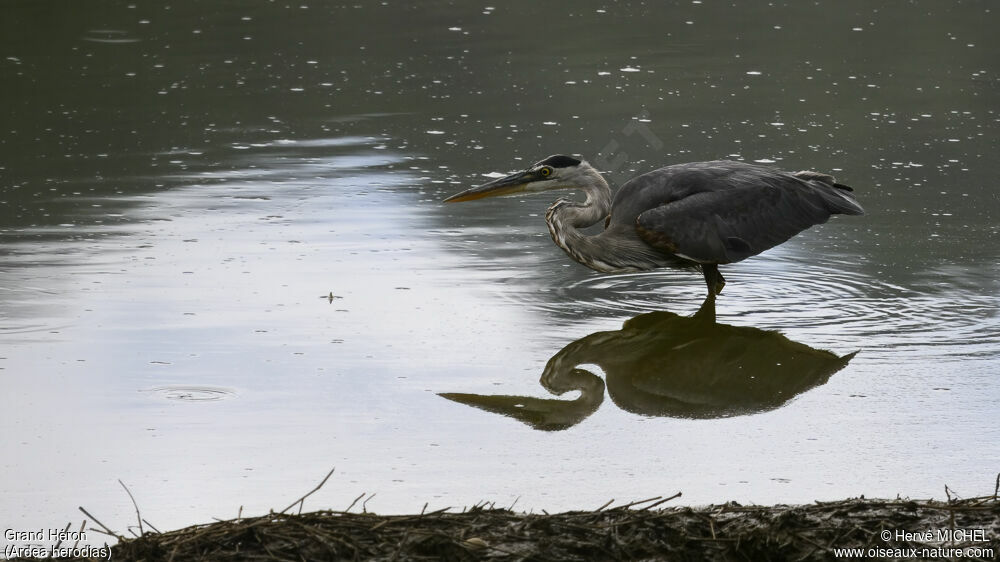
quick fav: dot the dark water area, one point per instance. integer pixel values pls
(225, 265)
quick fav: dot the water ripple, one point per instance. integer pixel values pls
(182, 393)
(827, 304)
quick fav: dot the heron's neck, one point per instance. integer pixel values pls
(566, 218)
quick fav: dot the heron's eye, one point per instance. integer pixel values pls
(546, 172)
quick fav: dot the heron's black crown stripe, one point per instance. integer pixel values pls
(559, 161)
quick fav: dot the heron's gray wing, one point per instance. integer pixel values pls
(733, 224)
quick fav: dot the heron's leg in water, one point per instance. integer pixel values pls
(713, 278)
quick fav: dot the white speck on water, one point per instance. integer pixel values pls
(434, 132)
(765, 161)
(549, 123)
(856, 29)
(604, 73)
(754, 72)
(454, 29)
(629, 69)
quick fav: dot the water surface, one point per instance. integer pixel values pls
(225, 267)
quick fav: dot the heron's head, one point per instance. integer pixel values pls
(555, 172)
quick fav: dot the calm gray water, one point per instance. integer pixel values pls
(225, 267)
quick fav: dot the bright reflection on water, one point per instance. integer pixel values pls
(225, 267)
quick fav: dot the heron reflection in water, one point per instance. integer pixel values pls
(701, 214)
(663, 364)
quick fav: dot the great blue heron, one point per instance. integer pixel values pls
(700, 214)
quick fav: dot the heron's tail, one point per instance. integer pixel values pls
(839, 197)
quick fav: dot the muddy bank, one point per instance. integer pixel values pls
(893, 529)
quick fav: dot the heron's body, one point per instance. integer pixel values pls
(686, 215)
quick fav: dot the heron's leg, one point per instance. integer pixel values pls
(713, 278)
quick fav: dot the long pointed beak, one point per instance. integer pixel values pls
(500, 186)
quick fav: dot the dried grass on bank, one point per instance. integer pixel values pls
(638, 531)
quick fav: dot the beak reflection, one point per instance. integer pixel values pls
(662, 364)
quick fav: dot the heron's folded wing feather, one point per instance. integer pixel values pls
(734, 224)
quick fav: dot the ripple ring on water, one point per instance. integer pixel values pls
(183, 393)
